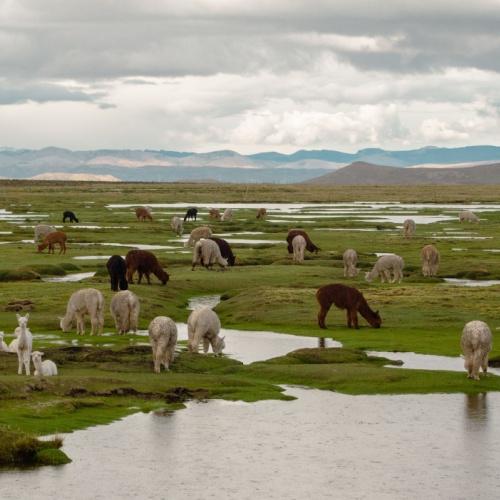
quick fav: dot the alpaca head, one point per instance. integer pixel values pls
(64, 324)
(376, 320)
(219, 346)
(36, 356)
(162, 276)
(368, 277)
(22, 321)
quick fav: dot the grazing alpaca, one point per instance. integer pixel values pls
(163, 337)
(117, 269)
(143, 213)
(349, 298)
(299, 245)
(42, 230)
(177, 225)
(24, 344)
(385, 265)
(409, 228)
(468, 216)
(196, 234)
(207, 253)
(430, 260)
(261, 213)
(191, 214)
(227, 215)
(204, 325)
(350, 259)
(145, 263)
(225, 250)
(45, 368)
(68, 214)
(476, 343)
(52, 239)
(85, 301)
(310, 246)
(214, 213)
(125, 309)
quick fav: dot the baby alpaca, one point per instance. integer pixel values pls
(45, 368)
(476, 343)
(163, 337)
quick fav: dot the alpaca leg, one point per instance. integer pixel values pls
(484, 363)
(476, 364)
(206, 344)
(348, 316)
(468, 365)
(147, 277)
(140, 277)
(130, 275)
(20, 362)
(157, 359)
(345, 272)
(80, 324)
(322, 316)
(26, 357)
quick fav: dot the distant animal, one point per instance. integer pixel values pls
(84, 301)
(430, 260)
(42, 230)
(299, 245)
(225, 250)
(227, 215)
(207, 253)
(467, 216)
(310, 246)
(53, 239)
(409, 228)
(177, 225)
(125, 309)
(163, 337)
(197, 233)
(214, 213)
(143, 213)
(388, 268)
(68, 214)
(204, 326)
(476, 343)
(3, 346)
(191, 214)
(261, 213)
(117, 270)
(348, 298)
(145, 263)
(45, 368)
(24, 344)
(350, 259)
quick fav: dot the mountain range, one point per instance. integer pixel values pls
(267, 167)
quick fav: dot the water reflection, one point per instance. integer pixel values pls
(476, 407)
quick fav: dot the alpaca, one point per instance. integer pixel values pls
(85, 301)
(163, 337)
(24, 344)
(3, 346)
(51, 239)
(383, 268)
(196, 234)
(207, 253)
(476, 343)
(299, 245)
(225, 250)
(117, 270)
(468, 216)
(45, 368)
(227, 215)
(261, 213)
(214, 213)
(42, 230)
(310, 246)
(349, 298)
(125, 309)
(204, 325)
(177, 225)
(350, 259)
(68, 214)
(143, 213)
(408, 228)
(144, 263)
(430, 260)
(191, 214)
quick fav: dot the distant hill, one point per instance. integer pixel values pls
(361, 173)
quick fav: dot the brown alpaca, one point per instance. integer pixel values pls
(143, 213)
(261, 213)
(349, 298)
(310, 246)
(144, 262)
(213, 213)
(51, 239)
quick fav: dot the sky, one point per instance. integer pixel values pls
(259, 75)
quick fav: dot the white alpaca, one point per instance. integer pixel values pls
(85, 301)
(42, 230)
(299, 245)
(163, 337)
(3, 346)
(177, 225)
(430, 260)
(385, 266)
(125, 309)
(207, 253)
(227, 215)
(408, 228)
(467, 216)
(350, 259)
(476, 343)
(196, 234)
(24, 344)
(204, 325)
(45, 368)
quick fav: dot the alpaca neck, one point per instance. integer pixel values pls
(365, 311)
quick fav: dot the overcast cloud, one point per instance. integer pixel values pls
(249, 75)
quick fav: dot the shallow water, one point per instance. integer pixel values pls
(471, 283)
(70, 278)
(381, 447)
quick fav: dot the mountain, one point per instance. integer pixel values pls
(361, 173)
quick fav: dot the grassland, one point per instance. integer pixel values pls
(106, 377)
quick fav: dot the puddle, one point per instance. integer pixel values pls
(139, 246)
(419, 219)
(379, 254)
(492, 250)
(99, 227)
(282, 221)
(441, 237)
(241, 241)
(459, 249)
(70, 278)
(361, 229)
(471, 283)
(203, 300)
(6, 232)
(93, 257)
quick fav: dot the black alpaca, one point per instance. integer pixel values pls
(225, 250)
(70, 215)
(117, 269)
(191, 214)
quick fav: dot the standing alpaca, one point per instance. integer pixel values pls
(227, 215)
(409, 228)
(468, 216)
(299, 245)
(163, 337)
(430, 260)
(42, 230)
(310, 246)
(143, 213)
(177, 225)
(476, 343)
(24, 344)
(51, 239)
(196, 234)
(385, 265)
(225, 250)
(145, 263)
(214, 213)
(85, 301)
(191, 214)
(349, 298)
(204, 325)
(117, 270)
(261, 213)
(207, 253)
(350, 259)
(45, 368)
(125, 309)
(68, 214)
